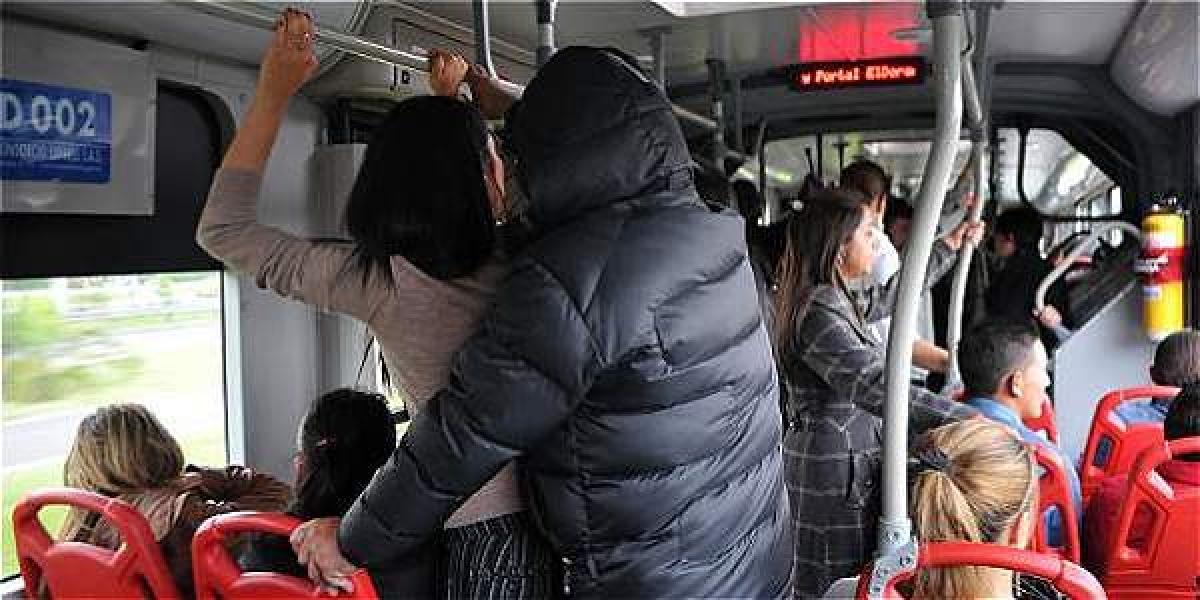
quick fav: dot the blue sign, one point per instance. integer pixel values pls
(51, 133)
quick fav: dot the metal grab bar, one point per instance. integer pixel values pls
(483, 37)
(1039, 297)
(254, 15)
(971, 102)
(958, 287)
(895, 529)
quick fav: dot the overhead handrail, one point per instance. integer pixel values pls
(545, 20)
(895, 528)
(483, 37)
(255, 16)
(1039, 297)
(716, 97)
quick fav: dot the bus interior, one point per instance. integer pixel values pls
(1090, 114)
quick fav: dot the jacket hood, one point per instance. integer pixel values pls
(590, 130)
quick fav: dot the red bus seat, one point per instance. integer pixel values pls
(1127, 440)
(80, 570)
(1054, 491)
(218, 575)
(1045, 424)
(1166, 564)
(1067, 577)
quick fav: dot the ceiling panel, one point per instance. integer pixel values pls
(1074, 32)
(1159, 62)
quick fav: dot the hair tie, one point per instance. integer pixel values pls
(931, 458)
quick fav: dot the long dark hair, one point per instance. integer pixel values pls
(815, 237)
(346, 436)
(420, 192)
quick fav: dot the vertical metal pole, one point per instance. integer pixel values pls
(658, 50)
(760, 152)
(895, 529)
(977, 123)
(716, 88)
(739, 134)
(820, 158)
(483, 37)
(545, 22)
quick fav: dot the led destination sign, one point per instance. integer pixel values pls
(905, 70)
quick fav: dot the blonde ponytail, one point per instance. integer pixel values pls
(974, 481)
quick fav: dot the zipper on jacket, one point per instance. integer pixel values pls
(566, 576)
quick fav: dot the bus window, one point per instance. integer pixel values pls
(1059, 178)
(105, 309)
(901, 153)
(71, 344)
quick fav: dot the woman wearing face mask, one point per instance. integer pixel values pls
(834, 369)
(422, 265)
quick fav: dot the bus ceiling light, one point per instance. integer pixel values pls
(684, 9)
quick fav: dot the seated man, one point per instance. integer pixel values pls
(1182, 421)
(1176, 363)
(1004, 370)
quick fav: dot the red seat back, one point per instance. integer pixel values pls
(1127, 440)
(879, 581)
(1047, 423)
(218, 575)
(81, 570)
(1167, 563)
(1054, 491)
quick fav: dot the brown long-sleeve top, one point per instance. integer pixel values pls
(420, 322)
(176, 510)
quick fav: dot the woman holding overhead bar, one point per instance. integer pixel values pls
(425, 257)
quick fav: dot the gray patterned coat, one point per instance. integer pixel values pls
(833, 448)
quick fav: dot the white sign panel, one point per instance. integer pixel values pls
(76, 125)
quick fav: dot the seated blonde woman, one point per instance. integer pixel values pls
(123, 451)
(973, 481)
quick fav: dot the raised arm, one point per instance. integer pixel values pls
(852, 370)
(287, 64)
(882, 299)
(516, 381)
(319, 273)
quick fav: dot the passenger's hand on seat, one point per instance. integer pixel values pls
(446, 72)
(964, 232)
(316, 546)
(290, 59)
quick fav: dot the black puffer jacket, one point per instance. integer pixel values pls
(625, 363)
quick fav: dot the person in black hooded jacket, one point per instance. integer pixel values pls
(625, 364)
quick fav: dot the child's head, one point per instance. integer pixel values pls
(974, 481)
(1183, 418)
(1177, 359)
(345, 437)
(122, 448)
